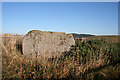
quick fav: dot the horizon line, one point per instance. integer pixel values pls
(68, 33)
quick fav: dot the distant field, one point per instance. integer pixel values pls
(114, 39)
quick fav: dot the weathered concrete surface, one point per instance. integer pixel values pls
(46, 44)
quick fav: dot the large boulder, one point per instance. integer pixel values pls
(46, 44)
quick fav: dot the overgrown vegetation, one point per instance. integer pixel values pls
(92, 59)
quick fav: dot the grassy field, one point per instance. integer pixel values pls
(108, 38)
(96, 58)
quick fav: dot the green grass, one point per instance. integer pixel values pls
(93, 59)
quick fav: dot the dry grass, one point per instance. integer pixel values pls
(113, 39)
(72, 64)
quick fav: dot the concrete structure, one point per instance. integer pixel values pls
(46, 44)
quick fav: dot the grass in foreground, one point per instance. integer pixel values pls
(94, 59)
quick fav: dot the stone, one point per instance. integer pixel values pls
(8, 35)
(46, 44)
(9, 41)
